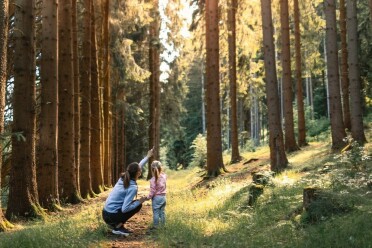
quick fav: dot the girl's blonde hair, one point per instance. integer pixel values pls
(156, 169)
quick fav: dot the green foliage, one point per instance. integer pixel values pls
(200, 151)
(317, 126)
(354, 155)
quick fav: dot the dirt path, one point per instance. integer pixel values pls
(139, 224)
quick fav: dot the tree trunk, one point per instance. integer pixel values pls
(235, 156)
(290, 140)
(66, 143)
(23, 195)
(76, 94)
(337, 123)
(212, 90)
(370, 11)
(106, 95)
(344, 67)
(4, 18)
(356, 96)
(278, 158)
(85, 93)
(299, 93)
(154, 64)
(95, 146)
(47, 169)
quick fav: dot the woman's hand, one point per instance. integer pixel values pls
(142, 199)
(150, 153)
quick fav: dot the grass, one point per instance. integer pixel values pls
(83, 229)
(219, 216)
(215, 213)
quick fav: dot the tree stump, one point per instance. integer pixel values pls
(261, 177)
(254, 192)
(309, 195)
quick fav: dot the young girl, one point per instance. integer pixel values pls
(158, 189)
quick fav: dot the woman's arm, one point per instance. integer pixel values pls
(145, 159)
(128, 203)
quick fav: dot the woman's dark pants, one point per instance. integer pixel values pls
(114, 219)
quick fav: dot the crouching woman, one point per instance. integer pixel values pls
(121, 204)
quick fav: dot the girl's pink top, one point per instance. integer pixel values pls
(160, 188)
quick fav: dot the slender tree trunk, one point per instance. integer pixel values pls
(212, 93)
(203, 98)
(299, 93)
(235, 156)
(23, 195)
(357, 128)
(95, 146)
(278, 157)
(85, 93)
(154, 64)
(344, 67)
(4, 18)
(66, 142)
(337, 123)
(106, 94)
(75, 58)
(290, 139)
(370, 11)
(47, 169)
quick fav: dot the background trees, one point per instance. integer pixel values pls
(132, 74)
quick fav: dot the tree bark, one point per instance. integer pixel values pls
(290, 140)
(47, 169)
(337, 123)
(235, 156)
(344, 67)
(23, 195)
(278, 158)
(370, 11)
(66, 162)
(357, 128)
(77, 102)
(154, 66)
(212, 90)
(95, 146)
(4, 19)
(85, 93)
(106, 96)
(299, 92)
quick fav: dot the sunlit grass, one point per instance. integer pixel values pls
(83, 229)
(217, 215)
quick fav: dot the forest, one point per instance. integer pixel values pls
(260, 112)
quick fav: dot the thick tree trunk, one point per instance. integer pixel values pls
(95, 146)
(85, 93)
(235, 156)
(154, 66)
(23, 195)
(278, 158)
(337, 123)
(299, 93)
(4, 18)
(76, 94)
(290, 139)
(66, 143)
(212, 90)
(47, 169)
(357, 128)
(344, 67)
